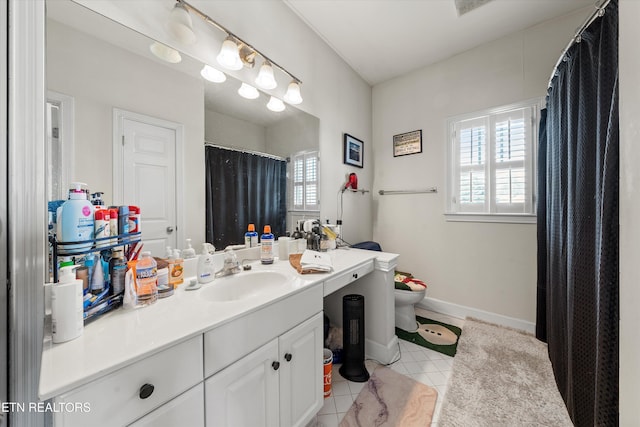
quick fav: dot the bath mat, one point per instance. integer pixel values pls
(501, 377)
(435, 335)
(390, 399)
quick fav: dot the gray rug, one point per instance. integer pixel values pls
(501, 377)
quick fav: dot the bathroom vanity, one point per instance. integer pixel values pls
(229, 353)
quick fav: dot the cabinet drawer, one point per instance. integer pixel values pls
(347, 277)
(122, 397)
(185, 410)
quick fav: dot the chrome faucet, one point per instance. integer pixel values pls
(231, 264)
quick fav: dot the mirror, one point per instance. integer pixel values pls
(103, 65)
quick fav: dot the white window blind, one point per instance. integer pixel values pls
(492, 160)
(305, 181)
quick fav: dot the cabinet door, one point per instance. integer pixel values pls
(185, 410)
(301, 375)
(246, 392)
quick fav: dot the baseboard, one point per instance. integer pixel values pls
(461, 311)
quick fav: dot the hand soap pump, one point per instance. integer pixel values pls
(206, 268)
(66, 306)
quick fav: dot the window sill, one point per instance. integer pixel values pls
(499, 218)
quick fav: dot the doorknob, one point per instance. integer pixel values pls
(169, 229)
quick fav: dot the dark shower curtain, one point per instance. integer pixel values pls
(243, 188)
(578, 307)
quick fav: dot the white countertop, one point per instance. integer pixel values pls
(122, 337)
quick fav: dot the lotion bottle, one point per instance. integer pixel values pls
(266, 246)
(67, 321)
(206, 268)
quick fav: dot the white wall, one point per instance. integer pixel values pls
(629, 61)
(101, 76)
(232, 132)
(299, 131)
(486, 266)
(332, 91)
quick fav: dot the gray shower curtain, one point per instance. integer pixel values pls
(578, 307)
(243, 188)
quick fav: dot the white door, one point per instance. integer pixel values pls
(149, 176)
(245, 393)
(301, 374)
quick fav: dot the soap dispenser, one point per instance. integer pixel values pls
(206, 268)
(66, 306)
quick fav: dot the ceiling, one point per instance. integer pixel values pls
(383, 39)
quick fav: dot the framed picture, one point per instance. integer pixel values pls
(353, 150)
(407, 143)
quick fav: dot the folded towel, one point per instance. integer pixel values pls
(311, 262)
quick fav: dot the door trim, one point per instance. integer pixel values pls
(119, 115)
(67, 136)
(27, 212)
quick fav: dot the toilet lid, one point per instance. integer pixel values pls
(437, 334)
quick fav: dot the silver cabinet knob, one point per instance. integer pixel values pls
(169, 229)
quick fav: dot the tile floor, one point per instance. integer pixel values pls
(422, 364)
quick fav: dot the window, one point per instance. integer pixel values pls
(492, 161)
(305, 181)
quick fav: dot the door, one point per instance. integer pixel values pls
(245, 393)
(149, 175)
(301, 375)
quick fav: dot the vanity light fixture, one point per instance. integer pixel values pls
(266, 79)
(248, 91)
(293, 93)
(236, 52)
(213, 75)
(165, 53)
(275, 104)
(229, 56)
(180, 24)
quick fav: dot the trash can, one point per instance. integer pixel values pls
(327, 362)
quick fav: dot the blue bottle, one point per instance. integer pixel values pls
(251, 237)
(266, 246)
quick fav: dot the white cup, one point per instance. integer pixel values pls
(283, 248)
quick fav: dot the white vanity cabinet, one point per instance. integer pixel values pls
(280, 383)
(301, 372)
(133, 391)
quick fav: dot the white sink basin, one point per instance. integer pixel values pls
(244, 285)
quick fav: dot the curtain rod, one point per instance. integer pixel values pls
(598, 13)
(242, 150)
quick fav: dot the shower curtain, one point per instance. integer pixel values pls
(243, 188)
(578, 307)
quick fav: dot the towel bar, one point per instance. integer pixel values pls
(428, 190)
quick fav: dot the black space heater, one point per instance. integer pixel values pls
(353, 367)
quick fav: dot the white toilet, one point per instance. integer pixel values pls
(405, 312)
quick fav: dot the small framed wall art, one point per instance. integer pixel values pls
(407, 143)
(353, 151)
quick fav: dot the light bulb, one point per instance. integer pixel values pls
(229, 56)
(213, 75)
(165, 53)
(265, 78)
(293, 93)
(275, 104)
(180, 25)
(248, 91)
